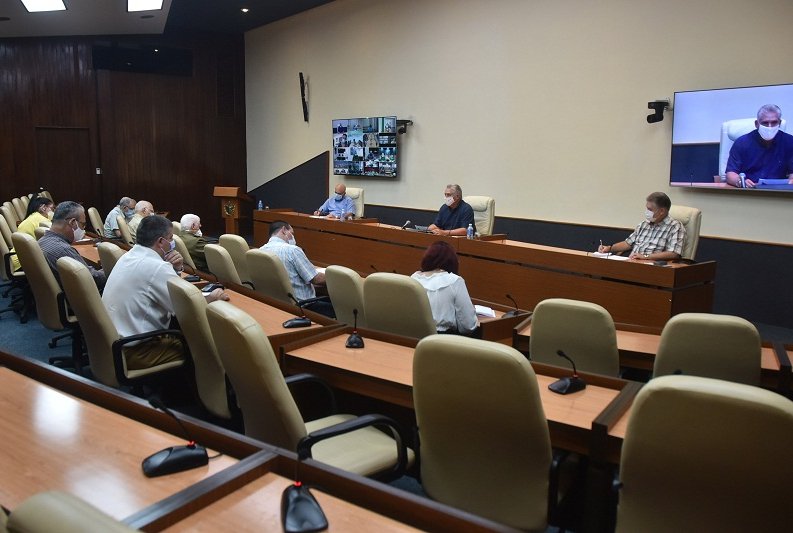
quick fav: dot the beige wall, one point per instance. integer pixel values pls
(539, 103)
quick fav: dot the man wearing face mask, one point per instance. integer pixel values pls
(194, 240)
(125, 208)
(763, 153)
(142, 209)
(68, 225)
(136, 294)
(658, 238)
(302, 274)
(454, 215)
(337, 205)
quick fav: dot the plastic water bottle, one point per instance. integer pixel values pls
(742, 180)
(260, 205)
(343, 215)
(470, 232)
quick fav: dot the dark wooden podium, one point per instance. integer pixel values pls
(232, 205)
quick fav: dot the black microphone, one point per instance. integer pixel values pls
(405, 225)
(514, 312)
(570, 384)
(354, 340)
(176, 458)
(300, 511)
(299, 321)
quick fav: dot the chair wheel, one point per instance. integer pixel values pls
(52, 344)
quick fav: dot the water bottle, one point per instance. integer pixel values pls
(260, 205)
(470, 232)
(343, 215)
(742, 180)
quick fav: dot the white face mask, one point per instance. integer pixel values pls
(50, 214)
(649, 215)
(199, 234)
(292, 241)
(766, 132)
(79, 233)
(448, 200)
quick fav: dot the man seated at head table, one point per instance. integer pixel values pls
(194, 240)
(763, 153)
(659, 237)
(338, 205)
(68, 225)
(302, 274)
(125, 208)
(455, 215)
(136, 294)
(142, 209)
(451, 305)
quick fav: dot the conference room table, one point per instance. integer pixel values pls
(634, 292)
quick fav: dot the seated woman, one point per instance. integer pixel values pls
(451, 306)
(40, 208)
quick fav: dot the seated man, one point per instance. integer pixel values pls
(454, 215)
(194, 240)
(658, 238)
(68, 225)
(142, 209)
(136, 294)
(338, 205)
(302, 274)
(763, 153)
(126, 208)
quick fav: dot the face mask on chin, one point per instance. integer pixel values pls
(448, 200)
(767, 133)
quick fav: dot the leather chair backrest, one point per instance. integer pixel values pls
(39, 232)
(177, 228)
(109, 254)
(5, 249)
(345, 288)
(62, 512)
(691, 218)
(190, 307)
(712, 346)
(98, 330)
(96, 221)
(220, 264)
(19, 209)
(5, 232)
(42, 281)
(484, 213)
(9, 214)
(269, 275)
(481, 422)
(269, 412)
(584, 331)
(397, 304)
(25, 202)
(236, 246)
(46, 194)
(356, 195)
(181, 247)
(731, 130)
(699, 453)
(123, 228)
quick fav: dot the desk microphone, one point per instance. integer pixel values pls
(176, 458)
(405, 225)
(515, 311)
(570, 384)
(354, 340)
(299, 321)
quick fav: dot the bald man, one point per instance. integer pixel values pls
(339, 205)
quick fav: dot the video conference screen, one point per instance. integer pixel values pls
(706, 124)
(365, 146)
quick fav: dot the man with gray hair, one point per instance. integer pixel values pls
(142, 209)
(454, 215)
(194, 240)
(763, 153)
(125, 208)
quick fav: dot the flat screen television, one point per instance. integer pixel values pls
(365, 146)
(702, 135)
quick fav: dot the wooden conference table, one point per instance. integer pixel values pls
(634, 292)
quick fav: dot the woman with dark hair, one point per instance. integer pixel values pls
(39, 209)
(451, 305)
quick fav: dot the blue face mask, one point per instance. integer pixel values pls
(173, 245)
(339, 197)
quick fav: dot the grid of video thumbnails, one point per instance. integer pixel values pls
(365, 146)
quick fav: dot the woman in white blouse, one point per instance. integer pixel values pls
(451, 305)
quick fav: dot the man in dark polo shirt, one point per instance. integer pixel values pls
(454, 215)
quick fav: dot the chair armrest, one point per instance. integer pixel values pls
(249, 284)
(309, 301)
(118, 346)
(306, 443)
(296, 379)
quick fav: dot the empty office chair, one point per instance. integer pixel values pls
(14, 283)
(485, 445)
(356, 195)
(271, 415)
(269, 275)
(96, 221)
(691, 218)
(712, 346)
(123, 229)
(60, 511)
(10, 216)
(181, 247)
(19, 209)
(706, 455)
(584, 331)
(6, 230)
(236, 246)
(109, 254)
(484, 213)
(730, 131)
(190, 306)
(220, 264)
(397, 304)
(105, 345)
(345, 288)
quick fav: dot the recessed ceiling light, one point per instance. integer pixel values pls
(36, 6)
(143, 5)
(244, 9)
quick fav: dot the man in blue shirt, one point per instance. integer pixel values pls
(763, 153)
(338, 205)
(454, 215)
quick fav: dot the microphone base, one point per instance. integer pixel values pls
(567, 385)
(300, 511)
(175, 459)
(510, 314)
(297, 322)
(354, 341)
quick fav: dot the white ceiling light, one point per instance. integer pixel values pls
(35, 6)
(144, 5)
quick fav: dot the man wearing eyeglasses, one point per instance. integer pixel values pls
(763, 153)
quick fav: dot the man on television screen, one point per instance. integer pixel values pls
(763, 153)
(455, 215)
